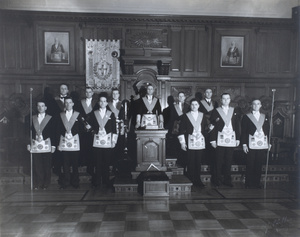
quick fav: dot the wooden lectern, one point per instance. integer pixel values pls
(151, 149)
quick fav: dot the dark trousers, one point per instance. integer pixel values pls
(70, 159)
(210, 159)
(57, 163)
(101, 158)
(255, 159)
(224, 157)
(117, 152)
(194, 165)
(86, 154)
(42, 163)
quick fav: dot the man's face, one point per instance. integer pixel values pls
(181, 97)
(194, 106)
(208, 94)
(225, 100)
(102, 102)
(256, 104)
(89, 93)
(64, 90)
(69, 104)
(150, 90)
(115, 95)
(41, 107)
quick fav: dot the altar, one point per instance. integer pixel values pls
(151, 149)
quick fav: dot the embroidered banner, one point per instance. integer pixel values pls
(102, 64)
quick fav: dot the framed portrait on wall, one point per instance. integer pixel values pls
(57, 47)
(232, 51)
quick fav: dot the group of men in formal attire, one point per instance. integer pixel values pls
(90, 132)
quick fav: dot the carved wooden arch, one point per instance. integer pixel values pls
(145, 76)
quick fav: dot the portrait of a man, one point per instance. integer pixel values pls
(232, 51)
(56, 47)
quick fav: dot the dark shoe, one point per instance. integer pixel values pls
(62, 187)
(36, 188)
(76, 186)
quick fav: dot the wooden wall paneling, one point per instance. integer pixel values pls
(275, 53)
(201, 87)
(26, 48)
(190, 52)
(102, 32)
(175, 45)
(232, 71)
(10, 47)
(254, 91)
(203, 53)
(2, 61)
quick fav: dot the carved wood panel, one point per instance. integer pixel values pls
(176, 52)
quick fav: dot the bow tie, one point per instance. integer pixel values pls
(62, 97)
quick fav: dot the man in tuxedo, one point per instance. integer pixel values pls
(117, 108)
(224, 138)
(68, 130)
(42, 145)
(255, 128)
(149, 105)
(103, 123)
(178, 110)
(57, 108)
(207, 105)
(193, 127)
(85, 107)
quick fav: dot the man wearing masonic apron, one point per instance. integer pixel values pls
(149, 113)
(255, 127)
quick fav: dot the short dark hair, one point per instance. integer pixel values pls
(88, 87)
(181, 92)
(225, 93)
(115, 89)
(41, 101)
(68, 97)
(64, 84)
(194, 99)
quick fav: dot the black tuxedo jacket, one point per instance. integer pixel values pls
(110, 126)
(119, 107)
(186, 127)
(143, 109)
(218, 122)
(48, 132)
(248, 128)
(80, 109)
(61, 130)
(204, 110)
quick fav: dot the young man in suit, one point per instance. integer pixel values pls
(68, 129)
(116, 106)
(42, 145)
(224, 137)
(193, 127)
(149, 105)
(103, 123)
(255, 128)
(207, 105)
(85, 107)
(177, 111)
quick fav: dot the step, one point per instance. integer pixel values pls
(12, 178)
(177, 184)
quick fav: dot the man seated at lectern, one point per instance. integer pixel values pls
(149, 114)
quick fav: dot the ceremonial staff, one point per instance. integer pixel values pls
(31, 162)
(270, 133)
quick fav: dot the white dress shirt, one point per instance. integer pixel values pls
(69, 114)
(41, 116)
(194, 114)
(115, 103)
(102, 112)
(88, 101)
(256, 114)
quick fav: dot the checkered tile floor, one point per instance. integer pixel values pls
(86, 212)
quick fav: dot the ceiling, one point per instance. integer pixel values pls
(240, 8)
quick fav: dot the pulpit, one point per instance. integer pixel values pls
(151, 149)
